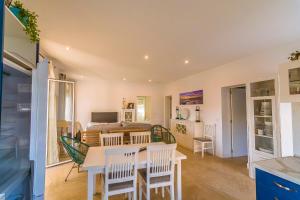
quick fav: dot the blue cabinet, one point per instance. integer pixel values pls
(271, 187)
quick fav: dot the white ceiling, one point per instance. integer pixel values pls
(109, 38)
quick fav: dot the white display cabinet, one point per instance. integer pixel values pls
(263, 109)
(128, 115)
(263, 137)
(289, 82)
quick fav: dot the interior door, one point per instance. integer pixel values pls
(239, 142)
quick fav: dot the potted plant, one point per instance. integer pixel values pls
(28, 19)
(294, 56)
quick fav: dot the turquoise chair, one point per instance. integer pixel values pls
(161, 134)
(76, 150)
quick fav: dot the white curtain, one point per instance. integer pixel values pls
(52, 145)
(69, 102)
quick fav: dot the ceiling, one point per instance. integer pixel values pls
(109, 38)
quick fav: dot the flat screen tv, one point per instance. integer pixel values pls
(191, 98)
(105, 117)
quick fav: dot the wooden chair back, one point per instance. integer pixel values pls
(140, 137)
(160, 160)
(121, 165)
(62, 127)
(210, 131)
(111, 139)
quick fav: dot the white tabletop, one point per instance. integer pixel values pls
(95, 158)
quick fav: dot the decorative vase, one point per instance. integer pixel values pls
(177, 113)
(16, 11)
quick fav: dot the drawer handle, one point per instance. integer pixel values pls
(284, 187)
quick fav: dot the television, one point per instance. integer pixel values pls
(105, 117)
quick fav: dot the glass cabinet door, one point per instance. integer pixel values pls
(294, 81)
(263, 125)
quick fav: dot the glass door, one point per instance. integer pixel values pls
(60, 119)
(263, 125)
(294, 81)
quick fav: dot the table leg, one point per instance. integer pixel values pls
(90, 185)
(179, 195)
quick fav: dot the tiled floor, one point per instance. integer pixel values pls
(210, 178)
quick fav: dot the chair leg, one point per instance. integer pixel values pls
(129, 196)
(148, 193)
(163, 192)
(69, 172)
(140, 189)
(172, 193)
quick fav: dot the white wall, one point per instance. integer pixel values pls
(97, 95)
(286, 129)
(296, 128)
(255, 67)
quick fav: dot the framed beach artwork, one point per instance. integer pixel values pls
(191, 98)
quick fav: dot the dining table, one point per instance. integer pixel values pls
(94, 164)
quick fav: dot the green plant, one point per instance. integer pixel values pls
(29, 19)
(294, 56)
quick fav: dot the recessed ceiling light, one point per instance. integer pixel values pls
(149, 80)
(124, 79)
(146, 57)
(186, 62)
(67, 48)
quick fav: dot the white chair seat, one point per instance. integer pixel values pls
(153, 180)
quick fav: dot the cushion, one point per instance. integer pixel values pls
(153, 180)
(120, 186)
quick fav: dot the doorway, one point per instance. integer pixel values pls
(168, 112)
(234, 115)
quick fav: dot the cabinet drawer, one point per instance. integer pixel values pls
(264, 193)
(278, 186)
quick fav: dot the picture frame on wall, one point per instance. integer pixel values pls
(191, 98)
(130, 106)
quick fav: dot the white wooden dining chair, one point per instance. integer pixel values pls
(160, 169)
(140, 137)
(207, 141)
(120, 172)
(111, 139)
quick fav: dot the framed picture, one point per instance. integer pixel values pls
(191, 98)
(130, 106)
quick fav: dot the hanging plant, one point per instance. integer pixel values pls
(294, 56)
(8, 2)
(28, 19)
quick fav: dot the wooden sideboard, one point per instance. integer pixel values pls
(184, 132)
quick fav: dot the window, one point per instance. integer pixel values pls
(143, 108)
